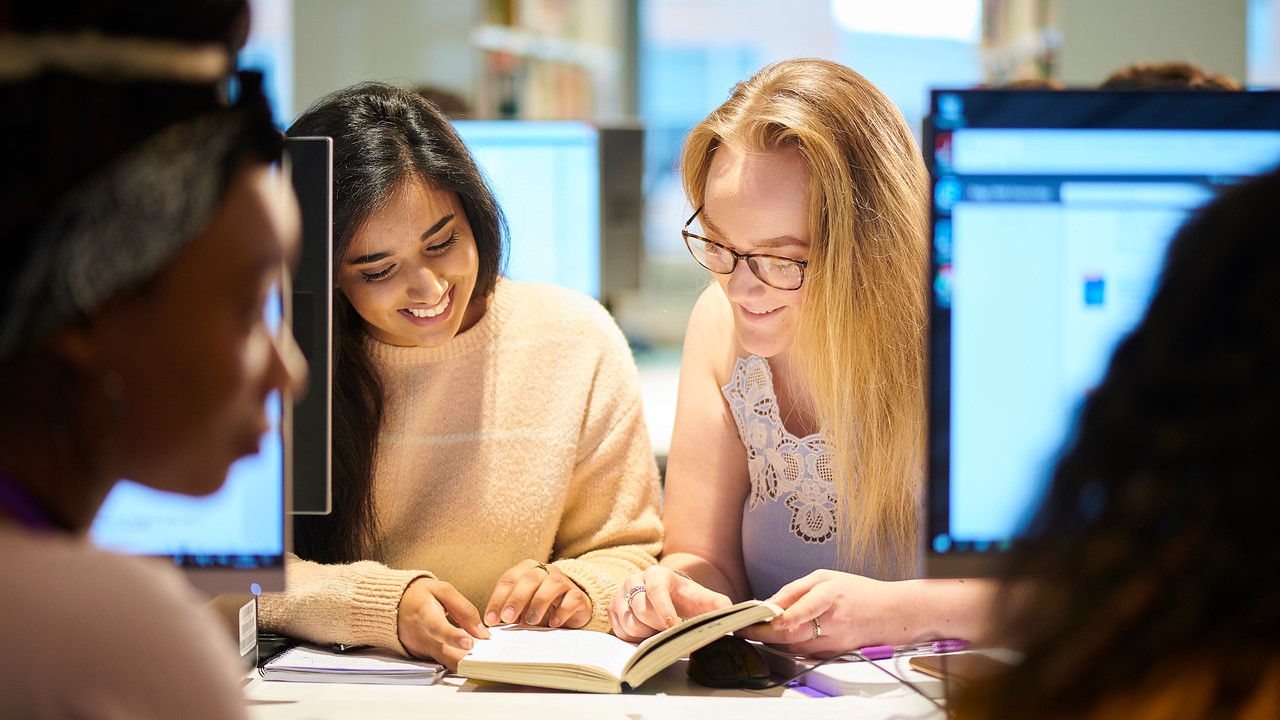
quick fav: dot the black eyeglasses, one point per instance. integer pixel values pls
(776, 272)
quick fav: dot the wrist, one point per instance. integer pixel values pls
(956, 608)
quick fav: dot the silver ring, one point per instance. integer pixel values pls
(817, 629)
(631, 595)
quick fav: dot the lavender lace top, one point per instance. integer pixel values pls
(789, 521)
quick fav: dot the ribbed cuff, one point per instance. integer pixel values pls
(599, 586)
(375, 607)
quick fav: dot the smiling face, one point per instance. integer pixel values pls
(759, 203)
(411, 269)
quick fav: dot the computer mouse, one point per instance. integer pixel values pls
(729, 662)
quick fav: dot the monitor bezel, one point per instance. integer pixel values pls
(310, 162)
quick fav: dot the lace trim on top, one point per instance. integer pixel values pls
(795, 471)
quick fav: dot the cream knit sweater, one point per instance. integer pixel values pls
(522, 437)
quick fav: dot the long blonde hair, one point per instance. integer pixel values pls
(860, 340)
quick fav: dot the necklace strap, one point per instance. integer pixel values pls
(19, 504)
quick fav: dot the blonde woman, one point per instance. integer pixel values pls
(796, 466)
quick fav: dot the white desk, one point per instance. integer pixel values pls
(668, 695)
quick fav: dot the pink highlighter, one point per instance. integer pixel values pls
(884, 652)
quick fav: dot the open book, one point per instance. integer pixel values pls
(313, 663)
(590, 661)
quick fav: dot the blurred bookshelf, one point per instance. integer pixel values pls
(556, 60)
(1021, 41)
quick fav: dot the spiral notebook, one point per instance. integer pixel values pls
(313, 663)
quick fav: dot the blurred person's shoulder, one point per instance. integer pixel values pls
(87, 628)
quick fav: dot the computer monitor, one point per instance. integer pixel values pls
(572, 195)
(232, 541)
(1051, 214)
(310, 162)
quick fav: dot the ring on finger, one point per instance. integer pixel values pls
(631, 595)
(543, 567)
(817, 629)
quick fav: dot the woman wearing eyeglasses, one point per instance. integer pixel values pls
(796, 465)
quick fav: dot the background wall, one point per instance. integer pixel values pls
(668, 62)
(1099, 36)
(338, 42)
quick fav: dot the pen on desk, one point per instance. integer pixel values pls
(339, 647)
(884, 652)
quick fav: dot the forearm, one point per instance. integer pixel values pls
(935, 609)
(705, 573)
(352, 604)
(611, 527)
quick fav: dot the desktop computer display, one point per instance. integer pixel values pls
(1051, 214)
(546, 178)
(571, 192)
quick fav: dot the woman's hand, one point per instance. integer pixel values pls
(828, 612)
(424, 623)
(536, 593)
(656, 599)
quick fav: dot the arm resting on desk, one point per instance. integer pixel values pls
(353, 604)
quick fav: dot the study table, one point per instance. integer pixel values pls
(670, 694)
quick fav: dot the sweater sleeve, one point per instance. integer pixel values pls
(612, 525)
(355, 604)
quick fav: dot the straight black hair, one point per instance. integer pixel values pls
(383, 137)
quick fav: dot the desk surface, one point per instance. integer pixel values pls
(667, 695)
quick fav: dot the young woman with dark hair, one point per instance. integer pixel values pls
(491, 461)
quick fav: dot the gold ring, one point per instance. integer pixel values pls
(817, 629)
(631, 595)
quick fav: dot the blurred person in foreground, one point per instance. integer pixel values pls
(144, 227)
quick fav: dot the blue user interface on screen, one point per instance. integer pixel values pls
(1052, 212)
(546, 177)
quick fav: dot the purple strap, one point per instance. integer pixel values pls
(21, 506)
(876, 652)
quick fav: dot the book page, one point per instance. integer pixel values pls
(670, 645)
(515, 644)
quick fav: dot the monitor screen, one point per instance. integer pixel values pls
(232, 541)
(310, 163)
(1052, 211)
(546, 177)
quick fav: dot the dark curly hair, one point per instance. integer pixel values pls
(1154, 549)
